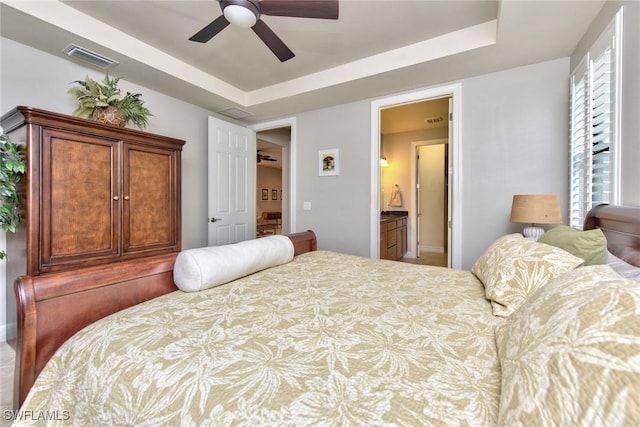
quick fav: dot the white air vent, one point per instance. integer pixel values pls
(92, 58)
(433, 120)
(235, 113)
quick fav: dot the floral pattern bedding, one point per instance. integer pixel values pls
(327, 339)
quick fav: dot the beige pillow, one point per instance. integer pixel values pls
(570, 355)
(513, 268)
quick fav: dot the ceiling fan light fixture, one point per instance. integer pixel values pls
(240, 16)
(246, 13)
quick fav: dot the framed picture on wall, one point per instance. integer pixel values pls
(265, 194)
(274, 194)
(329, 162)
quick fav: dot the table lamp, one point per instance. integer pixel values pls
(535, 209)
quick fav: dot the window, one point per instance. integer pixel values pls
(595, 125)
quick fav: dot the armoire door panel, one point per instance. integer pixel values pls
(149, 198)
(80, 218)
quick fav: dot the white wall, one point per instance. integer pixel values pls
(35, 79)
(515, 130)
(340, 204)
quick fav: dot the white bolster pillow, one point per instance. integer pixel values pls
(204, 268)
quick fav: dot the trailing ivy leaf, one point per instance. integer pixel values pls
(12, 168)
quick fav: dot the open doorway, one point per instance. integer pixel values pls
(414, 142)
(272, 177)
(437, 120)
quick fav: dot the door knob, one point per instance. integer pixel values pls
(215, 219)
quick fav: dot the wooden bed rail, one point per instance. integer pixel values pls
(53, 307)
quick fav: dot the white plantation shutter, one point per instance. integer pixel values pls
(579, 157)
(594, 134)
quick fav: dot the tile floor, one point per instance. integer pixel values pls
(7, 358)
(429, 258)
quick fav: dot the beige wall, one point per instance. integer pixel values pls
(432, 193)
(396, 147)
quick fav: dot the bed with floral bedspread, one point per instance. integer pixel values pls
(327, 339)
(529, 336)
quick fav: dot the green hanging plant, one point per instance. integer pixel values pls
(12, 169)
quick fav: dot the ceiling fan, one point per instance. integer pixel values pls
(246, 13)
(265, 157)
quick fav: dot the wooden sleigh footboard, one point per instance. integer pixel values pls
(53, 307)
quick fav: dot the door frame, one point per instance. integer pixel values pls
(455, 162)
(288, 184)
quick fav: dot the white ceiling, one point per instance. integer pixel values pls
(375, 48)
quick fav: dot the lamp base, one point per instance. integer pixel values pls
(533, 232)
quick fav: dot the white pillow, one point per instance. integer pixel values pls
(623, 268)
(204, 268)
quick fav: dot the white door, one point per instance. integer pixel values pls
(232, 183)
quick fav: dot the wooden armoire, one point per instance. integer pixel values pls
(94, 194)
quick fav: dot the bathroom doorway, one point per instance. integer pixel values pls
(432, 113)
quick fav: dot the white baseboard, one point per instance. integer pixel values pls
(3, 333)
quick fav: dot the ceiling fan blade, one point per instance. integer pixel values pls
(272, 41)
(207, 33)
(323, 9)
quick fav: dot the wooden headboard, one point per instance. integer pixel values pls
(53, 307)
(621, 227)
